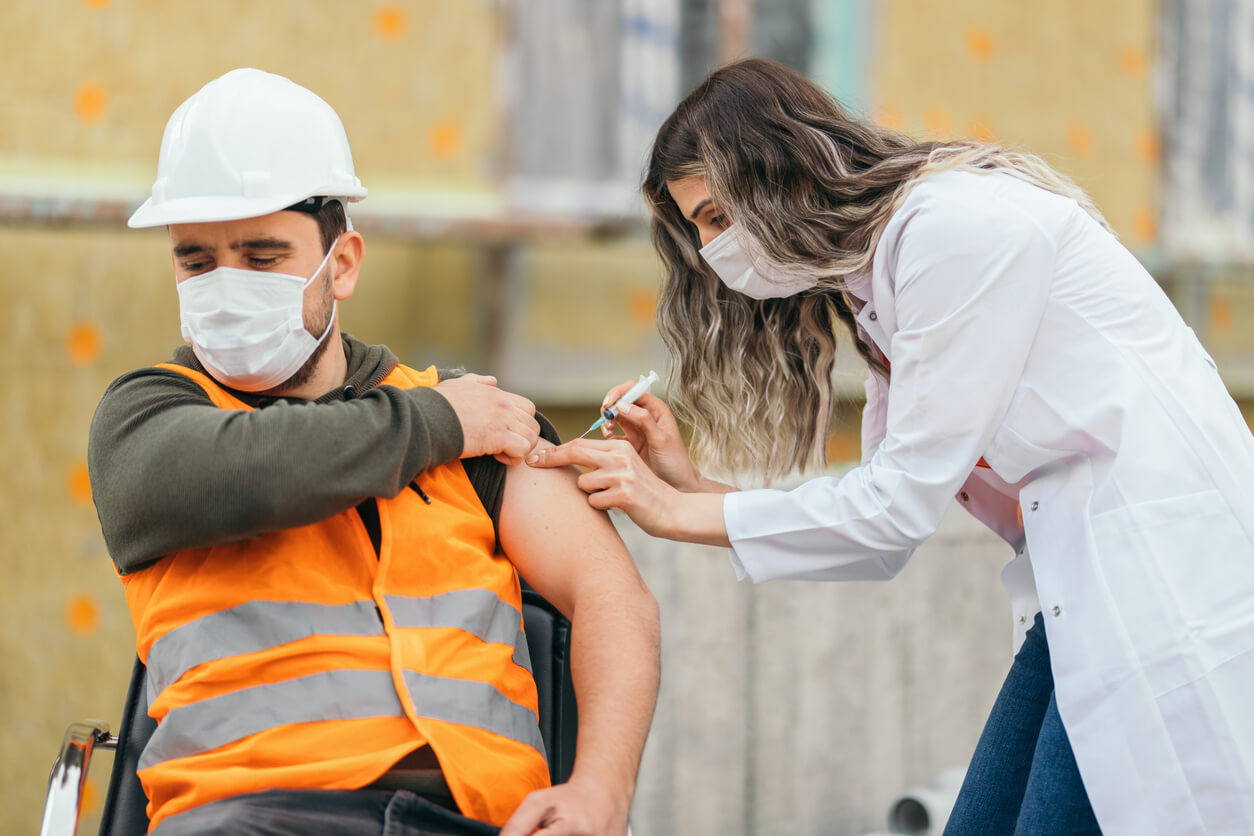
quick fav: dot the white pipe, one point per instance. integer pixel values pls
(923, 811)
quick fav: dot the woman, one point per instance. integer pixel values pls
(1021, 361)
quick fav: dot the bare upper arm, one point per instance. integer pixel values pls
(557, 541)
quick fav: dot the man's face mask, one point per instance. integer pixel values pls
(737, 260)
(247, 326)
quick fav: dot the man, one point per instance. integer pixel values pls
(319, 544)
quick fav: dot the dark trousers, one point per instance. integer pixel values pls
(340, 812)
(1023, 779)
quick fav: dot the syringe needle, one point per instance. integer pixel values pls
(598, 423)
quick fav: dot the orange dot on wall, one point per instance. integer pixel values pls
(1145, 226)
(982, 129)
(78, 484)
(95, 4)
(1133, 62)
(938, 121)
(840, 448)
(90, 102)
(889, 117)
(389, 22)
(1220, 313)
(1080, 139)
(445, 139)
(643, 307)
(980, 44)
(82, 615)
(82, 343)
(1147, 146)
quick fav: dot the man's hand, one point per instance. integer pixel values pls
(494, 422)
(570, 809)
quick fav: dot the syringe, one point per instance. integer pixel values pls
(629, 397)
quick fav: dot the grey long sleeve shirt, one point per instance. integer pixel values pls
(170, 471)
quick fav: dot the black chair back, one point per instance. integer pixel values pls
(126, 807)
(548, 642)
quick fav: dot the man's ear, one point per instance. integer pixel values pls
(349, 253)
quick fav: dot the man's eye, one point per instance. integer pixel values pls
(263, 261)
(195, 266)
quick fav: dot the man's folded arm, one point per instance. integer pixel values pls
(571, 554)
(169, 470)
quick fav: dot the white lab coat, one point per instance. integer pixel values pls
(1020, 331)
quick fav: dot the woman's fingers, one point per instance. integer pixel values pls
(616, 393)
(651, 428)
(585, 452)
(653, 405)
(643, 422)
(617, 478)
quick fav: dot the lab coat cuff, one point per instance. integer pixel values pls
(747, 567)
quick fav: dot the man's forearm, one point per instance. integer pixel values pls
(615, 648)
(169, 471)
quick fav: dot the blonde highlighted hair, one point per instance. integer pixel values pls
(814, 188)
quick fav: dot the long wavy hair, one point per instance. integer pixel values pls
(814, 189)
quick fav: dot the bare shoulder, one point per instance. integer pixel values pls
(555, 539)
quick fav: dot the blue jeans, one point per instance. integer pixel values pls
(342, 812)
(1023, 778)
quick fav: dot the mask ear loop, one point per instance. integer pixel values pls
(334, 302)
(318, 270)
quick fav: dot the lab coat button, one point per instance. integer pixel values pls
(1057, 610)
(1023, 619)
(1035, 505)
(873, 316)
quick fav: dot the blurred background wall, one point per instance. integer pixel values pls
(502, 141)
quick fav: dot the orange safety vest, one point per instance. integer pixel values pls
(301, 659)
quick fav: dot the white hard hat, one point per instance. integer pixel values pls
(245, 145)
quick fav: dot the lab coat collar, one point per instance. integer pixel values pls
(858, 286)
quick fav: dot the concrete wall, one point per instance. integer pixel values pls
(804, 708)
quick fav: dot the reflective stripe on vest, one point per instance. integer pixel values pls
(335, 695)
(260, 625)
(475, 611)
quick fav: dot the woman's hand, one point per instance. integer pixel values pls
(650, 427)
(619, 478)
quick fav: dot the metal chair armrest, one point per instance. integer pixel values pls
(69, 772)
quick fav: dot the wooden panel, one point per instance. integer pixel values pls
(413, 81)
(1069, 81)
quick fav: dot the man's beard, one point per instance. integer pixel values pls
(316, 322)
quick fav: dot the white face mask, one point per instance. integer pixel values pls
(738, 261)
(247, 326)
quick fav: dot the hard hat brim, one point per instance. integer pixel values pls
(212, 209)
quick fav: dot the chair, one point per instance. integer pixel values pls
(125, 813)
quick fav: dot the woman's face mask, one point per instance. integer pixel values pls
(247, 326)
(737, 260)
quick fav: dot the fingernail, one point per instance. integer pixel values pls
(533, 458)
(625, 409)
